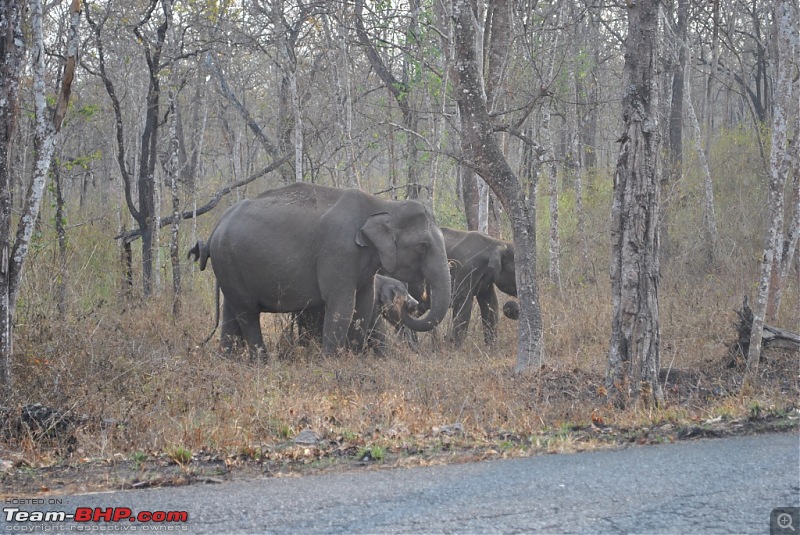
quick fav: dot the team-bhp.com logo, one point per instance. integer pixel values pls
(96, 515)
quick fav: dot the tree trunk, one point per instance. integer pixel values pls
(174, 165)
(146, 187)
(469, 196)
(46, 138)
(633, 360)
(674, 171)
(575, 164)
(554, 265)
(781, 267)
(483, 204)
(145, 213)
(340, 73)
(496, 46)
(288, 67)
(61, 236)
(790, 244)
(786, 19)
(709, 213)
(12, 49)
(481, 149)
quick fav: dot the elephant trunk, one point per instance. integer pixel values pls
(437, 274)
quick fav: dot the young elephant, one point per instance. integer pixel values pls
(478, 264)
(392, 297)
(391, 301)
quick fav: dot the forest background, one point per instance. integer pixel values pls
(182, 108)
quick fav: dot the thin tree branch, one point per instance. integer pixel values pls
(134, 234)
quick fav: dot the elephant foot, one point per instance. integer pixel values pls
(259, 357)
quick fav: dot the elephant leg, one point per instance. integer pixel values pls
(338, 315)
(251, 331)
(309, 325)
(462, 312)
(231, 334)
(410, 337)
(378, 337)
(364, 319)
(487, 300)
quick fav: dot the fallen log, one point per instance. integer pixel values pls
(773, 337)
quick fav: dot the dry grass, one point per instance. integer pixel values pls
(148, 389)
(146, 385)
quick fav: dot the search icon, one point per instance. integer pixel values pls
(785, 521)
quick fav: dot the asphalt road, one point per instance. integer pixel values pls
(710, 486)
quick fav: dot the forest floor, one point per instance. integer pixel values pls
(706, 402)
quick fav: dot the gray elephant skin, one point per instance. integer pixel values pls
(306, 246)
(391, 298)
(478, 264)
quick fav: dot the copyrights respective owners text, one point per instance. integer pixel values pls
(21, 515)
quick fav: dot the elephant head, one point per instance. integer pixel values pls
(391, 296)
(502, 263)
(411, 249)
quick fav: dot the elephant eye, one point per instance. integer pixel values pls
(422, 248)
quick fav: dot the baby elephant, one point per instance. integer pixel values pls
(391, 297)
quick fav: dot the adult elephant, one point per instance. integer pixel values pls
(306, 246)
(478, 264)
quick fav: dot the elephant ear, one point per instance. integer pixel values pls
(496, 261)
(376, 231)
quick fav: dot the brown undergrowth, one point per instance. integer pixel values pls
(127, 397)
(141, 403)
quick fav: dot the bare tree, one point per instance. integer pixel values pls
(786, 19)
(48, 127)
(12, 48)
(145, 210)
(575, 160)
(633, 360)
(780, 271)
(399, 88)
(174, 158)
(790, 244)
(337, 46)
(680, 46)
(711, 234)
(285, 41)
(554, 252)
(483, 153)
(709, 210)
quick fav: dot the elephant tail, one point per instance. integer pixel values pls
(200, 252)
(216, 313)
